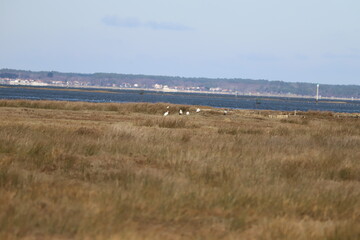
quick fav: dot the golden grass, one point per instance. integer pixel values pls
(123, 171)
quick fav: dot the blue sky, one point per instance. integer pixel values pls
(297, 41)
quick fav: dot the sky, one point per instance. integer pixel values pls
(288, 40)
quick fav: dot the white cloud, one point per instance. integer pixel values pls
(131, 22)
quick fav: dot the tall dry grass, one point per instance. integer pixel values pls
(123, 171)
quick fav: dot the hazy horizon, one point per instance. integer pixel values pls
(307, 41)
(86, 73)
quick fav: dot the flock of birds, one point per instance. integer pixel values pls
(186, 113)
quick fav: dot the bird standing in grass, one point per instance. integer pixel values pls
(167, 111)
(187, 113)
(180, 112)
(198, 110)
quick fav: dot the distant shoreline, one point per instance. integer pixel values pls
(80, 88)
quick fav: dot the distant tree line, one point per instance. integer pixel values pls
(8, 75)
(235, 84)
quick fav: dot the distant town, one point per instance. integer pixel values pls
(177, 84)
(156, 86)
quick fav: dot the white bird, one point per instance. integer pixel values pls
(198, 110)
(187, 113)
(166, 113)
(180, 112)
(225, 112)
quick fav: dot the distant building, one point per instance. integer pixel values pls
(216, 89)
(158, 86)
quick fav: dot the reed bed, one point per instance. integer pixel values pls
(74, 170)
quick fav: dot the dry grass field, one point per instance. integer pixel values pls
(73, 170)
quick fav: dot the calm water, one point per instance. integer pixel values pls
(214, 100)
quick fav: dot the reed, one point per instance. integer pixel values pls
(73, 170)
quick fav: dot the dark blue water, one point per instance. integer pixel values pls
(213, 100)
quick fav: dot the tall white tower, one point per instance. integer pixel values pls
(317, 93)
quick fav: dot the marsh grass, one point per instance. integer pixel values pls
(123, 171)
